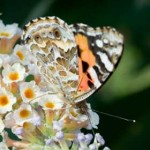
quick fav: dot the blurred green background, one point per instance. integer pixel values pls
(127, 93)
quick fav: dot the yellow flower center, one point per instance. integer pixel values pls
(29, 93)
(4, 100)
(4, 34)
(26, 125)
(49, 105)
(20, 55)
(14, 76)
(24, 113)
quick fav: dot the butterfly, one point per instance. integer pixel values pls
(74, 60)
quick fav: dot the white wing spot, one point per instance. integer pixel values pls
(99, 43)
(104, 58)
(81, 30)
(92, 44)
(91, 33)
(92, 72)
(105, 41)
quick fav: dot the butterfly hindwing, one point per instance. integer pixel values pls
(53, 46)
(99, 51)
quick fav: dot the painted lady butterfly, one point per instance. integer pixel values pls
(75, 60)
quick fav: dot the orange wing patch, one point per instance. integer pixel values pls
(86, 56)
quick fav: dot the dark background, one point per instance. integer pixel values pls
(127, 93)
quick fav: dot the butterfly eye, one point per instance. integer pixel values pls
(38, 39)
(56, 33)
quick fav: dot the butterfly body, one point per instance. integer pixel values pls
(75, 60)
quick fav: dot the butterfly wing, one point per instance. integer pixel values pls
(99, 52)
(52, 43)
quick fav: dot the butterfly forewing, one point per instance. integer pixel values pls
(99, 51)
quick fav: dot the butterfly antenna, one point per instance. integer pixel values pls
(118, 117)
